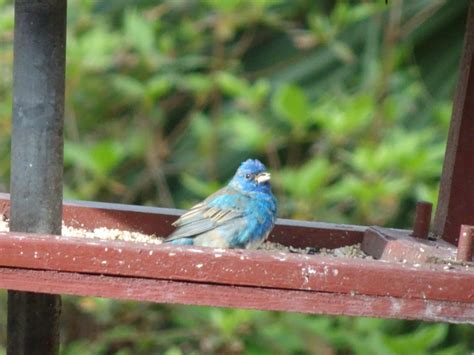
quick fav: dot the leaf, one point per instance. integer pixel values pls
(419, 341)
(306, 180)
(344, 116)
(199, 83)
(98, 158)
(158, 86)
(174, 350)
(246, 132)
(225, 5)
(260, 90)
(139, 32)
(197, 186)
(291, 103)
(78, 155)
(343, 52)
(106, 155)
(129, 86)
(94, 50)
(231, 84)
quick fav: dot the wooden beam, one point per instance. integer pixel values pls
(396, 245)
(237, 267)
(289, 282)
(456, 193)
(174, 292)
(156, 220)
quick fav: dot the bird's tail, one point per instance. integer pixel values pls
(180, 241)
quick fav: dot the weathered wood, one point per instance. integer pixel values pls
(236, 267)
(279, 281)
(398, 245)
(235, 296)
(456, 194)
(155, 220)
(421, 227)
(466, 243)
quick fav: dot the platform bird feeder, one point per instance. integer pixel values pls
(426, 273)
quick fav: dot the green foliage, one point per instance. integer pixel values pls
(211, 330)
(291, 104)
(341, 99)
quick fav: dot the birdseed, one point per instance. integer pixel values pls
(350, 251)
(98, 233)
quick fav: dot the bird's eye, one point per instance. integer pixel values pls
(248, 176)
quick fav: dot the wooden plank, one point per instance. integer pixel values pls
(417, 291)
(155, 220)
(396, 245)
(236, 267)
(234, 296)
(456, 194)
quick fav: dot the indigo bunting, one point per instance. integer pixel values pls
(240, 215)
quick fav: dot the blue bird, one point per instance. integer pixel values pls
(240, 215)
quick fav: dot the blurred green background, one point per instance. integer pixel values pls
(347, 102)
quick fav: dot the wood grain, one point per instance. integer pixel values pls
(156, 220)
(456, 193)
(191, 275)
(236, 267)
(234, 296)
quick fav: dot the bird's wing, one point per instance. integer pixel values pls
(218, 209)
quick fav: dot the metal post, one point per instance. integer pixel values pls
(37, 159)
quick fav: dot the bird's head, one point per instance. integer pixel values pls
(251, 176)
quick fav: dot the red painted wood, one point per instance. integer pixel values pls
(236, 296)
(466, 243)
(421, 227)
(397, 245)
(279, 281)
(456, 194)
(154, 220)
(236, 267)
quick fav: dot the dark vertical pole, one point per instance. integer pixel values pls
(37, 159)
(466, 243)
(421, 228)
(456, 192)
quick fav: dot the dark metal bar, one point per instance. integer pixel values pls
(456, 192)
(421, 227)
(37, 159)
(466, 243)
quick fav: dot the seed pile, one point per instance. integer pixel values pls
(349, 251)
(100, 233)
(111, 234)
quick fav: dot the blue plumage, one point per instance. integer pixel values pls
(240, 215)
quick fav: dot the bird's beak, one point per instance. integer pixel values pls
(262, 177)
